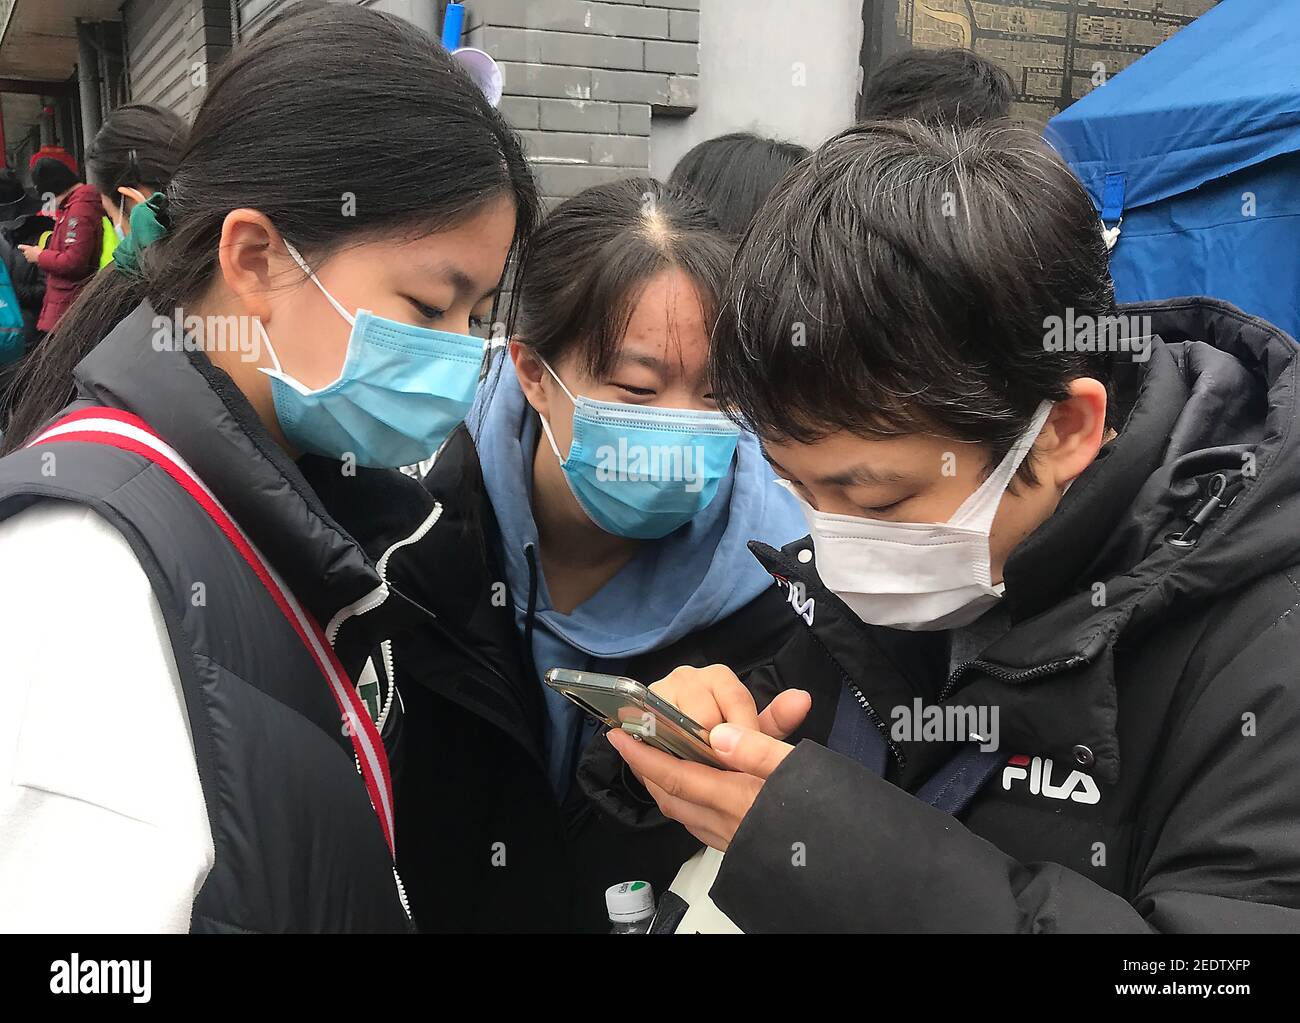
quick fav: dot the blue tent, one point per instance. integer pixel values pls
(1197, 147)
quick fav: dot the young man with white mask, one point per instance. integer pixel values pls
(894, 333)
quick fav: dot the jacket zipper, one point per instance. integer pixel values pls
(386, 651)
(1005, 675)
(401, 893)
(855, 689)
(875, 719)
(365, 605)
(989, 668)
(379, 594)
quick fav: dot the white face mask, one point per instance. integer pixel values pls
(919, 576)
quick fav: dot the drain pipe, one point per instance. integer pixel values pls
(88, 82)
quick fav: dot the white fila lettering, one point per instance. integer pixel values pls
(1038, 771)
(102, 977)
(804, 606)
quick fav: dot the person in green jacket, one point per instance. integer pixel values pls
(133, 155)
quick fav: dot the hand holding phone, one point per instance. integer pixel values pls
(627, 704)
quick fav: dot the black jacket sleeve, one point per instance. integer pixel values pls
(26, 278)
(828, 846)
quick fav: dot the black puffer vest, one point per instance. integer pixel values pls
(298, 847)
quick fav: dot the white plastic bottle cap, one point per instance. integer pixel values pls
(630, 902)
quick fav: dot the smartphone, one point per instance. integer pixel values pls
(627, 704)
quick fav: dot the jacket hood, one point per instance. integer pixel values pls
(1213, 411)
(689, 580)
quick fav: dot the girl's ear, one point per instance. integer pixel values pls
(532, 375)
(251, 254)
(134, 194)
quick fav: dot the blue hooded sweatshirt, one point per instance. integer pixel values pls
(691, 579)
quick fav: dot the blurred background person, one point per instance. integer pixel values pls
(732, 175)
(72, 254)
(133, 156)
(953, 86)
(21, 223)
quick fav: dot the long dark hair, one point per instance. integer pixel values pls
(594, 255)
(734, 174)
(331, 110)
(139, 144)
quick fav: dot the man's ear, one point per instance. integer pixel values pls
(532, 375)
(251, 255)
(1074, 432)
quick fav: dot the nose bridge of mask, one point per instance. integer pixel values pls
(978, 511)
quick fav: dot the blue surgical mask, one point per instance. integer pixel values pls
(401, 392)
(642, 472)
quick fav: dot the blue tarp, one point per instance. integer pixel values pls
(1197, 146)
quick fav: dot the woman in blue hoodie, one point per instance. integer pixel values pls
(593, 513)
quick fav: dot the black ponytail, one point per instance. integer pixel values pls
(139, 144)
(340, 124)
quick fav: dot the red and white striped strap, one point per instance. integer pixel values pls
(114, 428)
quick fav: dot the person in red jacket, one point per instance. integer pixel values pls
(71, 256)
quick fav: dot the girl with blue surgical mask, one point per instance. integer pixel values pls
(594, 514)
(194, 739)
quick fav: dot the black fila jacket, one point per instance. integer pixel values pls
(1151, 735)
(298, 847)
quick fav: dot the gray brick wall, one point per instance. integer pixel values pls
(582, 78)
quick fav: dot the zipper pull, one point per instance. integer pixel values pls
(1203, 513)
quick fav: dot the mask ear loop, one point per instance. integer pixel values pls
(546, 427)
(978, 510)
(265, 339)
(302, 265)
(279, 373)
